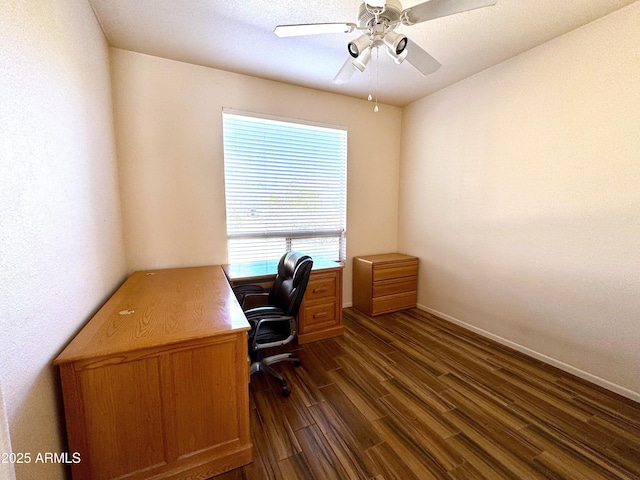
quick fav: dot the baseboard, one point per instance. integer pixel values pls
(625, 392)
(347, 305)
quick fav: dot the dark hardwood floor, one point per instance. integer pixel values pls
(410, 396)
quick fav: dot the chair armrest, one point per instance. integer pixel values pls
(267, 310)
(252, 300)
(242, 291)
(255, 345)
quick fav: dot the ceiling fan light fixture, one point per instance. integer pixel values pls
(395, 42)
(379, 18)
(363, 59)
(359, 45)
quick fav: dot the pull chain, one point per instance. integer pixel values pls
(370, 97)
(375, 109)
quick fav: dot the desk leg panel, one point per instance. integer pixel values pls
(208, 402)
(121, 407)
(74, 418)
(166, 414)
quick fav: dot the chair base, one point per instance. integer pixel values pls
(264, 365)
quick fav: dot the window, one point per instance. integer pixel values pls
(285, 186)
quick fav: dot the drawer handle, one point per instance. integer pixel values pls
(320, 315)
(319, 290)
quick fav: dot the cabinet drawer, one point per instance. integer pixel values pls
(391, 303)
(395, 270)
(393, 286)
(321, 286)
(318, 317)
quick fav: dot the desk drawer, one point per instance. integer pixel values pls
(318, 317)
(321, 286)
(393, 286)
(395, 270)
(391, 303)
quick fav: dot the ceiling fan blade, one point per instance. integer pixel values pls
(345, 73)
(421, 60)
(440, 8)
(313, 29)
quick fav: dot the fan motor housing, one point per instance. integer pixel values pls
(392, 12)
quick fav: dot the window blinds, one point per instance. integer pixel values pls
(285, 186)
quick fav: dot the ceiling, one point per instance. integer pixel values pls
(237, 36)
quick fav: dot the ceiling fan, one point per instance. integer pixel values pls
(378, 19)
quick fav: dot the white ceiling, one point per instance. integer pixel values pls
(237, 36)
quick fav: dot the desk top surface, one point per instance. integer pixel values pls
(160, 307)
(268, 268)
(387, 258)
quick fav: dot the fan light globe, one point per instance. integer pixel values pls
(398, 59)
(361, 62)
(357, 46)
(395, 42)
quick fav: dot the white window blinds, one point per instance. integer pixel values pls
(285, 186)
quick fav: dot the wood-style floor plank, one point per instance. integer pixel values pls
(411, 396)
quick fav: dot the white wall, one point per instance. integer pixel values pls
(168, 118)
(6, 469)
(520, 194)
(61, 232)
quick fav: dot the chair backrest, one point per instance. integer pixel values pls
(291, 282)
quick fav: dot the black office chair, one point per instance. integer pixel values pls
(275, 324)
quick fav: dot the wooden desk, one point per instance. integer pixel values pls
(321, 310)
(156, 384)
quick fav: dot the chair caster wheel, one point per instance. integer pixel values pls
(286, 391)
(297, 363)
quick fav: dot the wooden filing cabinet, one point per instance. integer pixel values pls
(321, 310)
(384, 283)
